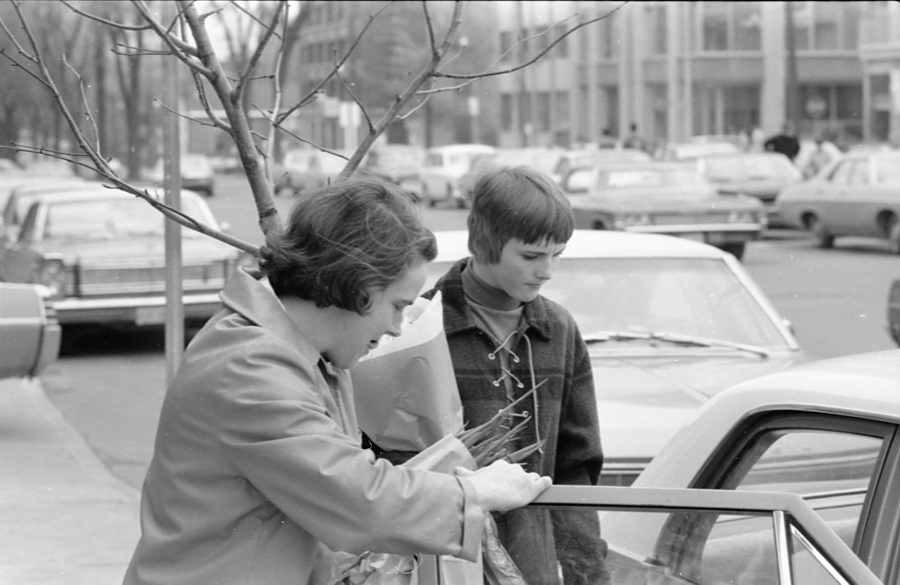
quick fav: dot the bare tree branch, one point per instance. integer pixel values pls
(104, 21)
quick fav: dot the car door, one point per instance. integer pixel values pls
(861, 202)
(846, 468)
(832, 198)
(688, 536)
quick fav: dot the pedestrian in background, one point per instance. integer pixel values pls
(257, 461)
(633, 139)
(785, 142)
(506, 339)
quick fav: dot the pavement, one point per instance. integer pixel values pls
(65, 519)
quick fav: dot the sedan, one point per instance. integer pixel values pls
(29, 332)
(858, 195)
(669, 323)
(663, 198)
(759, 174)
(789, 478)
(444, 165)
(825, 431)
(101, 252)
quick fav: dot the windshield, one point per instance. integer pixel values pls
(112, 218)
(683, 181)
(748, 167)
(695, 297)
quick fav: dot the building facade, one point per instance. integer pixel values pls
(682, 69)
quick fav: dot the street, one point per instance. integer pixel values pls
(110, 387)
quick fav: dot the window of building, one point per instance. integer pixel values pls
(542, 102)
(657, 18)
(525, 109)
(827, 15)
(715, 26)
(747, 20)
(561, 108)
(506, 111)
(506, 42)
(731, 26)
(561, 49)
(609, 37)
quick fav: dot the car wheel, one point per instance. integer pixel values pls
(894, 236)
(822, 236)
(736, 249)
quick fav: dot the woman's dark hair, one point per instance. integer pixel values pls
(516, 202)
(346, 241)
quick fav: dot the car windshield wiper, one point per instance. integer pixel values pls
(603, 336)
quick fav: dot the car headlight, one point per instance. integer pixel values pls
(632, 220)
(743, 217)
(52, 274)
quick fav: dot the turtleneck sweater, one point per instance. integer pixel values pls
(497, 313)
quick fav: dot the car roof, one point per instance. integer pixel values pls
(90, 193)
(452, 245)
(867, 384)
(478, 148)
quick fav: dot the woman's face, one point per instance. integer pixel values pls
(357, 334)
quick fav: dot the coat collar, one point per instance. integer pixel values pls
(250, 298)
(458, 316)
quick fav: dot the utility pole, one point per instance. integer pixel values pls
(792, 108)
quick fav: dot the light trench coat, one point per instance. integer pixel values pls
(257, 463)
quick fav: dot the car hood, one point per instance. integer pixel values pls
(642, 401)
(754, 187)
(668, 202)
(139, 249)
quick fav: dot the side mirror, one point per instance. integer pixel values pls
(894, 311)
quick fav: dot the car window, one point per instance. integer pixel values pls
(860, 174)
(888, 171)
(624, 180)
(842, 173)
(833, 464)
(111, 218)
(435, 159)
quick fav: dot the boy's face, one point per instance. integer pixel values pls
(523, 268)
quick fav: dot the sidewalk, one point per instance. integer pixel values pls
(64, 518)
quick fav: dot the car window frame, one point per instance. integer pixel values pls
(786, 509)
(880, 514)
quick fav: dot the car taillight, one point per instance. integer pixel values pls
(632, 220)
(742, 217)
(53, 275)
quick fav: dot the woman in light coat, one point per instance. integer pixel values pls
(257, 460)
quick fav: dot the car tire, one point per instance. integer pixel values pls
(824, 239)
(736, 249)
(894, 236)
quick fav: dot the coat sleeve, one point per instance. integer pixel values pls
(277, 433)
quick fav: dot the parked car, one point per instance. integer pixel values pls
(21, 195)
(197, 173)
(858, 195)
(538, 158)
(664, 199)
(307, 169)
(669, 323)
(826, 431)
(398, 163)
(568, 160)
(101, 254)
(29, 332)
(444, 165)
(894, 311)
(759, 174)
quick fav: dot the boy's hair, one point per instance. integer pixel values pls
(346, 241)
(516, 202)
